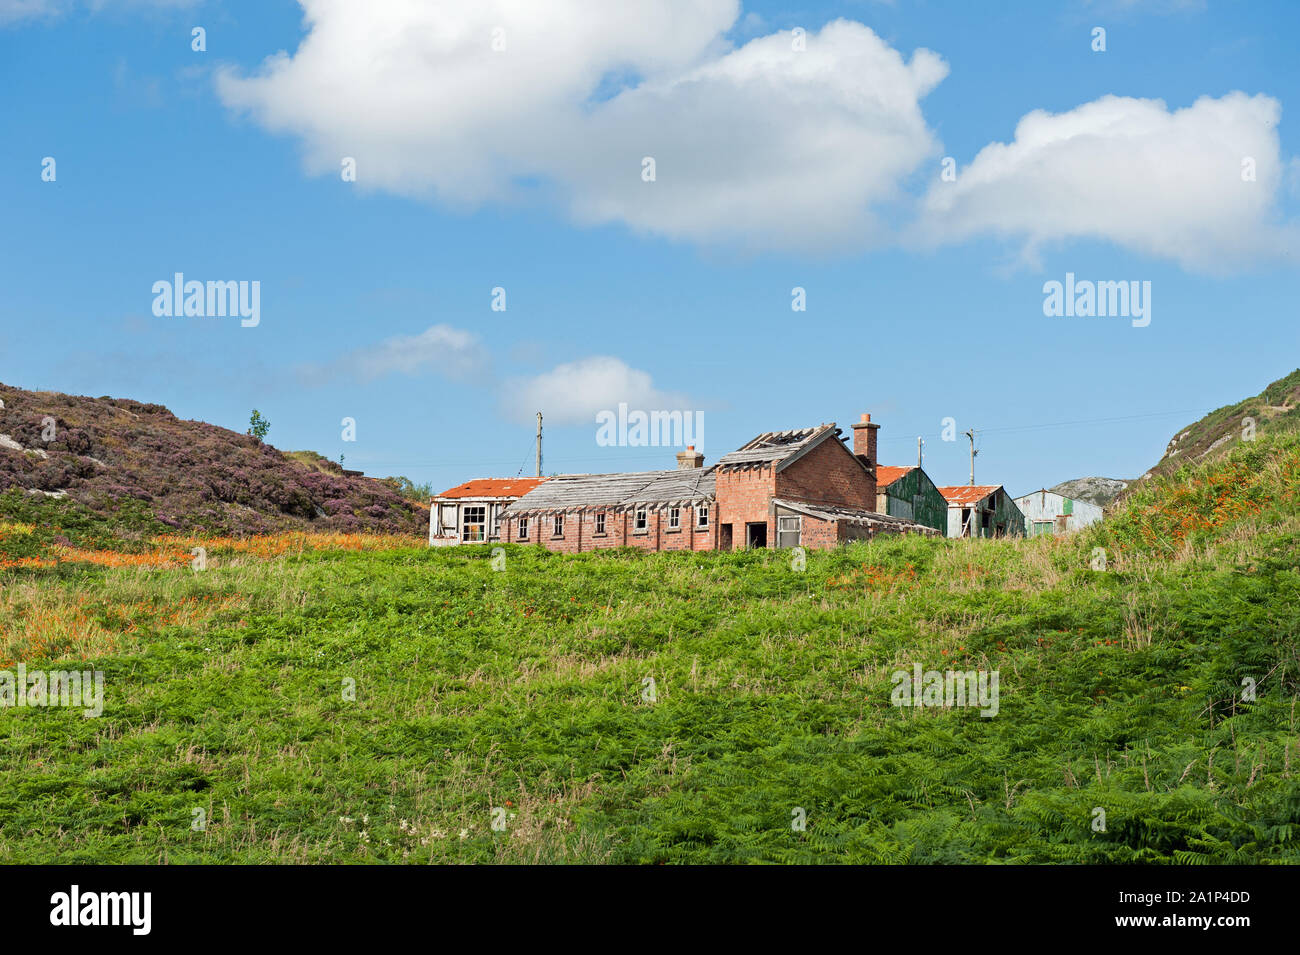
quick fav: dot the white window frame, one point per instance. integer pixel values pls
(702, 516)
(522, 529)
(557, 526)
(641, 521)
(600, 522)
(674, 518)
(798, 529)
(465, 523)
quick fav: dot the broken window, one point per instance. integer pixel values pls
(674, 517)
(600, 522)
(559, 525)
(640, 522)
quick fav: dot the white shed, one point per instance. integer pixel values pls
(1047, 512)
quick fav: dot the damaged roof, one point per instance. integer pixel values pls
(492, 488)
(853, 515)
(967, 493)
(778, 448)
(577, 492)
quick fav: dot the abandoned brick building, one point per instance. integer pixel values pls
(782, 489)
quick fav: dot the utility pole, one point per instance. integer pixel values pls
(971, 434)
(539, 446)
(919, 445)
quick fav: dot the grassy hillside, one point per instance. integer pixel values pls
(520, 695)
(1276, 408)
(106, 455)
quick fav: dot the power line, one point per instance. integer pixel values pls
(658, 455)
(1006, 429)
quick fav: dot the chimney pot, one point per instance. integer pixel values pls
(690, 459)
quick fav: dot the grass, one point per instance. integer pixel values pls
(325, 703)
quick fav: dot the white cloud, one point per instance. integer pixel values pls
(761, 145)
(1155, 181)
(572, 393)
(439, 349)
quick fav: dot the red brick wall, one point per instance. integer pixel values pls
(746, 497)
(828, 474)
(818, 534)
(580, 532)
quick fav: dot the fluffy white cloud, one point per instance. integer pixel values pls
(572, 393)
(1159, 182)
(764, 145)
(439, 349)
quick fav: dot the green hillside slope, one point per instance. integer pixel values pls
(523, 696)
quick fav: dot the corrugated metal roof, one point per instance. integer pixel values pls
(573, 492)
(887, 474)
(493, 487)
(774, 447)
(967, 493)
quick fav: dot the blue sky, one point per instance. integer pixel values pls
(920, 306)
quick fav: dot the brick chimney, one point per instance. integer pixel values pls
(864, 440)
(689, 459)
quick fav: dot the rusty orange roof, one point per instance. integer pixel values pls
(887, 474)
(967, 493)
(493, 487)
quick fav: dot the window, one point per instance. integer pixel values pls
(559, 525)
(640, 522)
(674, 518)
(600, 522)
(447, 520)
(787, 531)
(523, 528)
(473, 523)
(702, 515)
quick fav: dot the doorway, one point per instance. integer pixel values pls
(724, 537)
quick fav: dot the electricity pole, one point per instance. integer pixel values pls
(539, 445)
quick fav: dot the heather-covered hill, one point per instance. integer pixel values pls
(99, 453)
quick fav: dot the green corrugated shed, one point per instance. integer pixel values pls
(913, 496)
